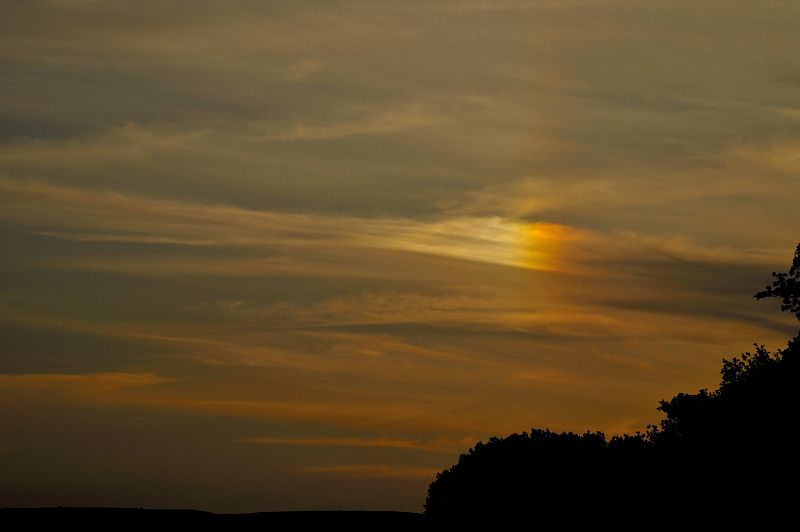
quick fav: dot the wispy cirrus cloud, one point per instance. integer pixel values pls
(440, 445)
(82, 383)
(374, 471)
(133, 218)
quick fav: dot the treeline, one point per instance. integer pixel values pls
(721, 456)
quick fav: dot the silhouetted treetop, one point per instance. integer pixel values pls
(786, 286)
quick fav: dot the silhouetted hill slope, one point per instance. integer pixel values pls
(125, 518)
(722, 456)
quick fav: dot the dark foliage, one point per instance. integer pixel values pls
(786, 286)
(720, 456)
(537, 471)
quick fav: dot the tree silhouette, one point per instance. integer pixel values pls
(722, 456)
(786, 286)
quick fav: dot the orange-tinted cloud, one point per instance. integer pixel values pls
(375, 471)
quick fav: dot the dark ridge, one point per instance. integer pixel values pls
(126, 517)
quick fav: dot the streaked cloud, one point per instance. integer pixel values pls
(374, 470)
(394, 443)
(144, 220)
(88, 383)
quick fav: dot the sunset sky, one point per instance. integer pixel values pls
(274, 255)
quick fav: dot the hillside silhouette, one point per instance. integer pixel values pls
(722, 456)
(139, 518)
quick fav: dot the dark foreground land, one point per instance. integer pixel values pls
(114, 518)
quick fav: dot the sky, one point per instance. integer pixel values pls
(273, 255)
